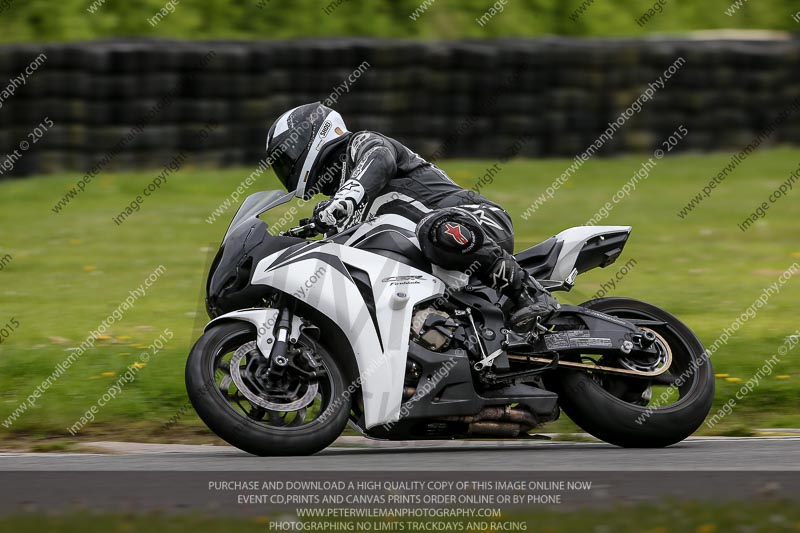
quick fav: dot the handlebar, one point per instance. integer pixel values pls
(307, 228)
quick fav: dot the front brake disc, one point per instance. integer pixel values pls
(252, 397)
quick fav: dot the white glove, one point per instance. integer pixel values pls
(342, 206)
(332, 212)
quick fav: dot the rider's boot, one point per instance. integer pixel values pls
(530, 299)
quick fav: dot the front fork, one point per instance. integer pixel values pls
(281, 356)
(277, 356)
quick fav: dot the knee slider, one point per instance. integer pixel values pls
(451, 231)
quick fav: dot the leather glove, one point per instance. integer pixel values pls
(329, 213)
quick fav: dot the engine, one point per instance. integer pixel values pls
(433, 329)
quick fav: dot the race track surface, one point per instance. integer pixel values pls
(181, 478)
(356, 454)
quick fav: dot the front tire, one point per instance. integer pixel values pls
(253, 428)
(613, 416)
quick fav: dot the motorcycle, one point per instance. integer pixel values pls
(358, 327)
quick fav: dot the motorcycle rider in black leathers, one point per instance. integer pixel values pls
(368, 174)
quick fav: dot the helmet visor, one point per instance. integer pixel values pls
(286, 156)
(283, 166)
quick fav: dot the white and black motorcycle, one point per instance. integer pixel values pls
(310, 334)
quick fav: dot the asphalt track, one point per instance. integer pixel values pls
(356, 454)
(179, 478)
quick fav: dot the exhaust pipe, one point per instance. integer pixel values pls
(501, 421)
(495, 429)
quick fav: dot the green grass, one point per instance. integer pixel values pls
(70, 270)
(700, 517)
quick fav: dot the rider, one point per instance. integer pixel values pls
(368, 174)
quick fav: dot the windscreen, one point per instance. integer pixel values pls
(255, 204)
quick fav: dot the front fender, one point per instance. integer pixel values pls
(264, 319)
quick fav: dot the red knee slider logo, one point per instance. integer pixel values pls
(454, 230)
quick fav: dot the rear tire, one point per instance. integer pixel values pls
(619, 422)
(252, 435)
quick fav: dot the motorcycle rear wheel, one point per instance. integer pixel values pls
(610, 413)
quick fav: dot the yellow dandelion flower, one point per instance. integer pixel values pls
(707, 528)
(721, 375)
(783, 376)
(74, 242)
(108, 374)
(89, 268)
(139, 365)
(733, 380)
(103, 337)
(124, 337)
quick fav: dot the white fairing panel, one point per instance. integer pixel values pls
(452, 278)
(388, 221)
(574, 239)
(263, 319)
(316, 274)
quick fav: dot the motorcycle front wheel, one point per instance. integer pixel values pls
(636, 412)
(298, 413)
